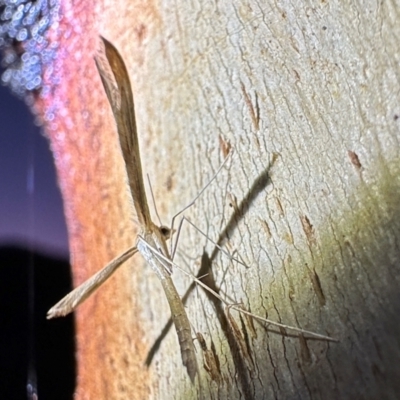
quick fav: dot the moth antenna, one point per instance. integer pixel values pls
(198, 195)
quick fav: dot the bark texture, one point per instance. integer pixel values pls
(308, 96)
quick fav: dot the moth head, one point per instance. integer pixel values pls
(166, 232)
(159, 236)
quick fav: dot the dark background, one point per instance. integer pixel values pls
(34, 268)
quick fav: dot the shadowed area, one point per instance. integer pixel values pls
(33, 347)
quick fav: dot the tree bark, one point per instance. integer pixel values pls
(307, 96)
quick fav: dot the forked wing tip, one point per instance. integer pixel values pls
(56, 312)
(51, 314)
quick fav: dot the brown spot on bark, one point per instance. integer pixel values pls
(233, 202)
(280, 208)
(274, 158)
(169, 183)
(225, 146)
(265, 226)
(211, 363)
(250, 322)
(288, 237)
(254, 111)
(318, 288)
(308, 229)
(238, 336)
(354, 159)
(141, 32)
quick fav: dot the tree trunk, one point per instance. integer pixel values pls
(307, 96)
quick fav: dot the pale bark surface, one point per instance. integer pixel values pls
(308, 98)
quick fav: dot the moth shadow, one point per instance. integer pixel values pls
(205, 273)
